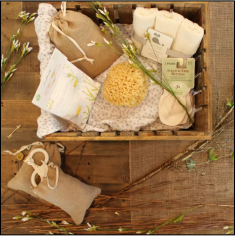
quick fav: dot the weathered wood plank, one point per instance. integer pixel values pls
(146, 133)
(10, 10)
(188, 133)
(125, 14)
(164, 133)
(22, 86)
(30, 6)
(126, 138)
(14, 113)
(9, 168)
(97, 148)
(22, 137)
(108, 134)
(10, 27)
(98, 169)
(127, 133)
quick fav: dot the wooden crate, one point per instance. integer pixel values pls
(122, 12)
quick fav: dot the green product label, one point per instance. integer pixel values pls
(38, 97)
(179, 78)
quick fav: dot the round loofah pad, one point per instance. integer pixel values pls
(125, 85)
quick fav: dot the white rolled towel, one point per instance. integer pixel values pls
(143, 19)
(168, 22)
(188, 38)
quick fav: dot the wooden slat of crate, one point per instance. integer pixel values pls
(145, 133)
(161, 5)
(165, 133)
(14, 112)
(125, 138)
(109, 134)
(90, 12)
(188, 133)
(125, 13)
(179, 7)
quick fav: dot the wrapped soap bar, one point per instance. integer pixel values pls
(188, 38)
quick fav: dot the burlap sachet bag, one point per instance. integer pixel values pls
(71, 195)
(22, 180)
(69, 26)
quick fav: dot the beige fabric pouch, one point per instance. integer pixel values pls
(71, 195)
(83, 30)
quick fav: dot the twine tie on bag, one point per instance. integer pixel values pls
(63, 10)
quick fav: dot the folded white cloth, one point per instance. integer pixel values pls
(168, 22)
(188, 38)
(143, 19)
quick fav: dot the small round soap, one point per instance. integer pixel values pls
(125, 85)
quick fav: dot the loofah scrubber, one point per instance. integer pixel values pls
(125, 85)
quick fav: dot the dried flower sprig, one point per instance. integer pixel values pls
(15, 50)
(130, 51)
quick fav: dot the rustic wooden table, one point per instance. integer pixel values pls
(103, 164)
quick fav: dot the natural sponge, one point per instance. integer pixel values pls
(125, 85)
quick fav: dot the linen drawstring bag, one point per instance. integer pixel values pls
(71, 195)
(71, 31)
(22, 180)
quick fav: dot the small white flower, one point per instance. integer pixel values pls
(128, 40)
(31, 19)
(226, 227)
(102, 12)
(23, 213)
(106, 41)
(120, 229)
(89, 225)
(124, 46)
(25, 219)
(30, 49)
(70, 233)
(64, 222)
(138, 232)
(92, 43)
(50, 232)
